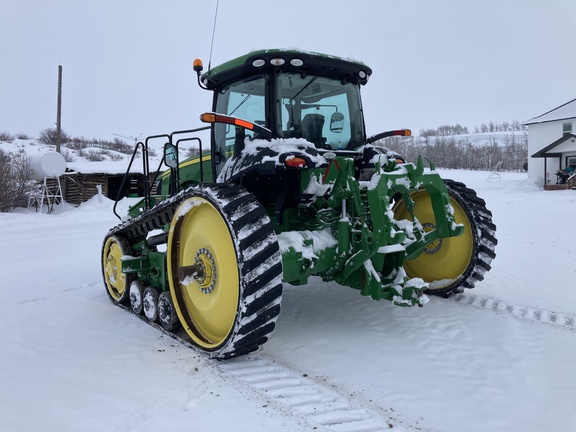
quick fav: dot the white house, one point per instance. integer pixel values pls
(552, 146)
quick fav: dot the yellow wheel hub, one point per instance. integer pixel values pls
(443, 260)
(207, 281)
(112, 264)
(206, 306)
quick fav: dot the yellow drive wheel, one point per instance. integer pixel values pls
(117, 283)
(451, 263)
(210, 281)
(207, 304)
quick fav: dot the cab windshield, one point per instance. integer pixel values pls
(322, 110)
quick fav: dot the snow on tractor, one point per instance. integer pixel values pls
(290, 187)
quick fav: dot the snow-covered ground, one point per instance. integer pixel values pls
(499, 358)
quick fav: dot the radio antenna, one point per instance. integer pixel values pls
(213, 33)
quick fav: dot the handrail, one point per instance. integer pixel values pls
(148, 183)
(200, 156)
(123, 184)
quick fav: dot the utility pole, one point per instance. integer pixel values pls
(59, 109)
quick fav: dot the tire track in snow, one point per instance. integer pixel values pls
(521, 312)
(319, 405)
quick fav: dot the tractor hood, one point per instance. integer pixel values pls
(265, 157)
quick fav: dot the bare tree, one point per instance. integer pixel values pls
(14, 180)
(50, 136)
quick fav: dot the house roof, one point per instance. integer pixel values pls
(545, 152)
(566, 111)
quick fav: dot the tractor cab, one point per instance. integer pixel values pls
(287, 95)
(278, 119)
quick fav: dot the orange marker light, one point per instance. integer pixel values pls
(401, 132)
(208, 117)
(243, 123)
(211, 117)
(198, 66)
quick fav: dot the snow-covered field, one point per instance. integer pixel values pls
(499, 358)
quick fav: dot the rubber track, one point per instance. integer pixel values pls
(484, 237)
(258, 255)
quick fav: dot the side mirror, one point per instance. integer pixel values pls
(336, 122)
(170, 155)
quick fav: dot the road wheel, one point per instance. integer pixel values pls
(166, 313)
(224, 270)
(136, 292)
(454, 263)
(150, 303)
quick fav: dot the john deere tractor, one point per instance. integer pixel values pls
(289, 187)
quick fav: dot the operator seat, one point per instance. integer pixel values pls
(312, 125)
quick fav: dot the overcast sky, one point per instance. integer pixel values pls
(127, 65)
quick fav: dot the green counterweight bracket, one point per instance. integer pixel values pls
(370, 246)
(377, 269)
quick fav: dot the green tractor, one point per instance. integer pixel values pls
(290, 187)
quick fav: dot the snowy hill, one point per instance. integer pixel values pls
(85, 158)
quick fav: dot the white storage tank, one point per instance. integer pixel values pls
(47, 164)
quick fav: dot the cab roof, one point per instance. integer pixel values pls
(304, 62)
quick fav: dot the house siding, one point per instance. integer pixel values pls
(543, 132)
(539, 136)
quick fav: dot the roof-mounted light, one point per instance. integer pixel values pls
(296, 62)
(258, 63)
(277, 61)
(197, 65)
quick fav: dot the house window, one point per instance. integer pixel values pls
(566, 128)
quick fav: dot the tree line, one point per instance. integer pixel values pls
(456, 152)
(457, 129)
